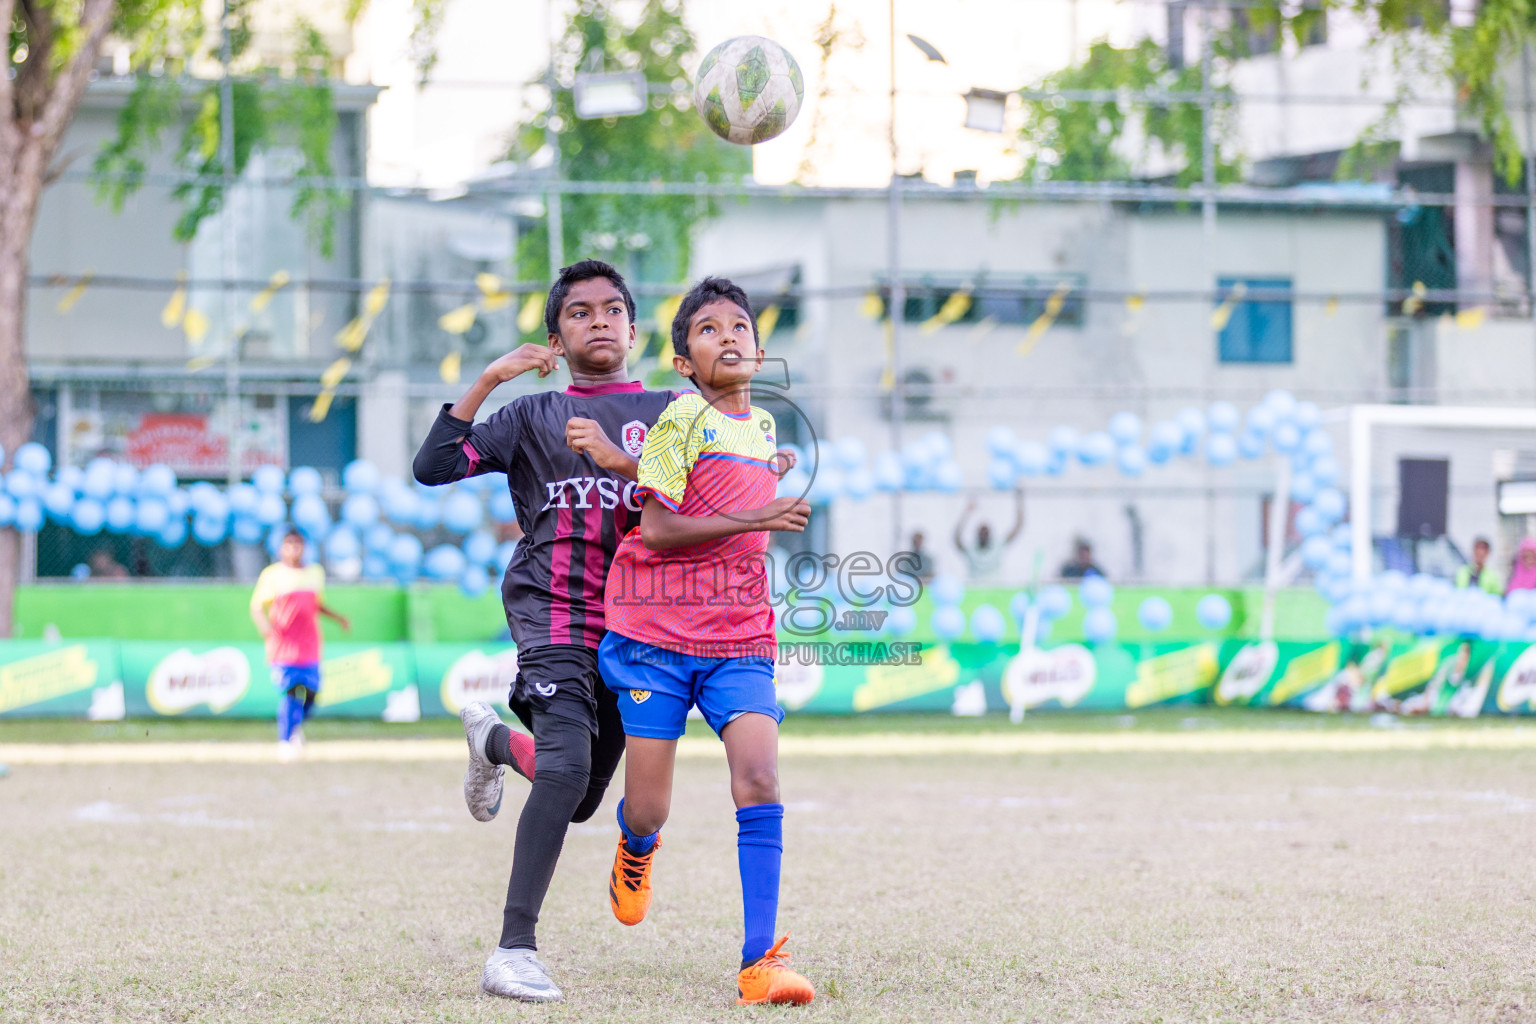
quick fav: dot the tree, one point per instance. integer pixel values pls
(646, 236)
(54, 47)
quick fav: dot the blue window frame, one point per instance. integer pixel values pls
(1258, 329)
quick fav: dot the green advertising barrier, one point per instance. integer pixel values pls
(449, 676)
(79, 678)
(233, 681)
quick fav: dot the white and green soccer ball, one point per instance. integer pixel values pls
(748, 90)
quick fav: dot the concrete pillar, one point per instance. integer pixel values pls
(383, 418)
(1474, 227)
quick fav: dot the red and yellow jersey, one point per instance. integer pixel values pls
(709, 600)
(291, 600)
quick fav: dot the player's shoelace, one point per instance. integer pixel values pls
(632, 865)
(775, 959)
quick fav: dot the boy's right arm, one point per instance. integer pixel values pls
(661, 528)
(443, 457)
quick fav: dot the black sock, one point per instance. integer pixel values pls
(540, 836)
(496, 744)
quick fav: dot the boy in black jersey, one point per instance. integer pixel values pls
(570, 459)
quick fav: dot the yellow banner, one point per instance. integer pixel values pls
(354, 676)
(888, 684)
(46, 676)
(1171, 675)
(1305, 672)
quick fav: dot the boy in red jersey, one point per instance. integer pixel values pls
(286, 607)
(690, 624)
(575, 496)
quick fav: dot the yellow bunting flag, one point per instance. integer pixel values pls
(73, 295)
(457, 321)
(195, 324)
(872, 306)
(176, 307)
(200, 363)
(351, 336)
(767, 320)
(448, 369)
(1044, 321)
(322, 405)
(1471, 319)
(333, 373)
(493, 294)
(1134, 304)
(888, 375)
(1331, 307)
(955, 307)
(666, 309)
(531, 315)
(1223, 313)
(262, 299)
(1415, 302)
(375, 300)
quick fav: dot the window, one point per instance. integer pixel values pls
(1258, 329)
(1017, 301)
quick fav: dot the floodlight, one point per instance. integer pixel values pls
(984, 109)
(621, 94)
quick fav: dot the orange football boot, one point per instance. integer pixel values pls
(629, 885)
(769, 980)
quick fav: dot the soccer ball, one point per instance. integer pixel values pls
(748, 90)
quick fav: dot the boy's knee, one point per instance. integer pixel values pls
(758, 785)
(589, 803)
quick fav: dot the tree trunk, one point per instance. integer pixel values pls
(15, 391)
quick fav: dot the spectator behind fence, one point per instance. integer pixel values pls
(1081, 563)
(1523, 575)
(1478, 573)
(106, 567)
(984, 559)
(922, 562)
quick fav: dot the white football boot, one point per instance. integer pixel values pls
(482, 779)
(518, 974)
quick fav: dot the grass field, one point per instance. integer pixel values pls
(1181, 882)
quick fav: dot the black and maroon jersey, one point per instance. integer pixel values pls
(573, 513)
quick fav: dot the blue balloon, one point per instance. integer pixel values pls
(360, 477)
(797, 452)
(274, 541)
(375, 567)
(174, 535)
(377, 539)
(159, 480)
(151, 516)
(901, 621)
(937, 444)
(399, 503)
(444, 562)
(988, 624)
(947, 477)
(1213, 611)
(1062, 440)
(947, 590)
(1325, 470)
(1406, 615)
(887, 472)
(305, 480)
(120, 513)
(1031, 458)
(81, 571)
(1095, 591)
(1306, 415)
(479, 548)
(207, 530)
(22, 484)
(88, 516)
(1125, 427)
(1096, 449)
(475, 581)
(246, 530)
(1329, 504)
(1100, 625)
(947, 623)
(1315, 552)
(462, 512)
(501, 506)
(1260, 420)
(270, 509)
(850, 452)
(360, 510)
(504, 552)
(794, 484)
(242, 499)
(405, 552)
(1309, 523)
(1132, 461)
(58, 500)
(1251, 445)
(1155, 613)
(1223, 418)
(1054, 601)
(29, 515)
(310, 515)
(1220, 449)
(342, 545)
(1303, 488)
(1380, 603)
(1019, 606)
(1000, 474)
(429, 512)
(827, 485)
(125, 479)
(177, 503)
(859, 483)
(1192, 422)
(33, 458)
(1165, 440)
(268, 479)
(1000, 441)
(1280, 402)
(1287, 438)
(100, 473)
(213, 505)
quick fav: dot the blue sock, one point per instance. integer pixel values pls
(297, 709)
(636, 842)
(759, 849)
(284, 716)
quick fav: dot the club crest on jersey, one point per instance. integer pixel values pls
(633, 436)
(639, 696)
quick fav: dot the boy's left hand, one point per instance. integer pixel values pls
(786, 459)
(586, 437)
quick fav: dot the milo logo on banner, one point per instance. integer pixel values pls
(1064, 674)
(1247, 672)
(46, 676)
(479, 676)
(183, 680)
(1517, 689)
(354, 676)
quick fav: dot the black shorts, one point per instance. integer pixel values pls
(557, 679)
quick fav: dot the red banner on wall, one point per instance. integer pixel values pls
(184, 442)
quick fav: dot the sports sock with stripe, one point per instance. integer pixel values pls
(637, 843)
(503, 746)
(759, 850)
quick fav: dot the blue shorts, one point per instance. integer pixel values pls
(286, 677)
(656, 687)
